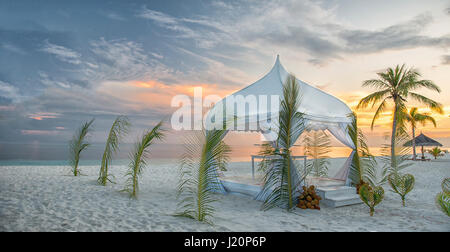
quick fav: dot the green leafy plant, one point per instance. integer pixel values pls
(118, 129)
(414, 117)
(224, 159)
(205, 153)
(401, 184)
(396, 85)
(443, 198)
(362, 159)
(283, 177)
(436, 152)
(265, 151)
(139, 159)
(317, 145)
(371, 196)
(77, 145)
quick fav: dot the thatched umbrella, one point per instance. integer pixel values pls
(422, 140)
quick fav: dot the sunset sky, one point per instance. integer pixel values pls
(64, 62)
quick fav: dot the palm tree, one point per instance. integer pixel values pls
(436, 152)
(118, 129)
(413, 118)
(77, 145)
(396, 85)
(139, 159)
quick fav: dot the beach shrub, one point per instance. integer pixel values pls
(317, 146)
(371, 196)
(118, 129)
(205, 153)
(443, 198)
(139, 157)
(401, 184)
(77, 145)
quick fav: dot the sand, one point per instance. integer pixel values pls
(47, 198)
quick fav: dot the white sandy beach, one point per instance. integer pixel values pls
(40, 198)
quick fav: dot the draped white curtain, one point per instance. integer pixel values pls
(340, 131)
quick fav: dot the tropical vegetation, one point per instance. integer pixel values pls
(119, 128)
(443, 198)
(205, 153)
(139, 157)
(283, 175)
(436, 152)
(414, 117)
(396, 85)
(317, 145)
(77, 145)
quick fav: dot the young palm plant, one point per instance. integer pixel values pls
(443, 198)
(362, 157)
(436, 152)
(317, 146)
(118, 129)
(283, 176)
(396, 85)
(139, 159)
(77, 145)
(205, 153)
(414, 117)
(400, 183)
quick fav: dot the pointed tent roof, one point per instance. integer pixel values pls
(317, 105)
(422, 140)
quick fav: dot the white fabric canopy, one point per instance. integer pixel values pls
(321, 110)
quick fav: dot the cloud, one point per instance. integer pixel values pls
(398, 36)
(13, 48)
(62, 53)
(9, 92)
(113, 16)
(294, 27)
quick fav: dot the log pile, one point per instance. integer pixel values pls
(309, 199)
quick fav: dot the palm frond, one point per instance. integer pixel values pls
(283, 176)
(139, 158)
(317, 146)
(373, 98)
(118, 129)
(205, 153)
(362, 159)
(77, 145)
(401, 184)
(433, 105)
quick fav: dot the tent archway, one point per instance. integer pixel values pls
(321, 110)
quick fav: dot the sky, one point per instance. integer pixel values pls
(65, 62)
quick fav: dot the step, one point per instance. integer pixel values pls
(239, 188)
(332, 191)
(339, 201)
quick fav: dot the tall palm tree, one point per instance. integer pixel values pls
(414, 117)
(396, 85)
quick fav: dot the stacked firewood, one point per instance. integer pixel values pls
(309, 199)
